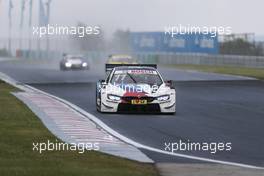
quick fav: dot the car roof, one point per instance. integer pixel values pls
(74, 56)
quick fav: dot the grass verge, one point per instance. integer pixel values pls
(19, 128)
(241, 71)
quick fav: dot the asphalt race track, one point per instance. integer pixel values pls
(210, 108)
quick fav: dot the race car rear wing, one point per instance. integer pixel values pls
(110, 67)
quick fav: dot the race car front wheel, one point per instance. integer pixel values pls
(98, 99)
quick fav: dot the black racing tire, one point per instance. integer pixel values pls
(98, 107)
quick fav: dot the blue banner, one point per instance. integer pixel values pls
(187, 43)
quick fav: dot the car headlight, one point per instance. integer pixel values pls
(113, 97)
(163, 98)
(68, 64)
(84, 64)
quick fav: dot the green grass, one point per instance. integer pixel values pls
(19, 128)
(241, 71)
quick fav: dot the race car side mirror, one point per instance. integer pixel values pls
(169, 83)
(103, 82)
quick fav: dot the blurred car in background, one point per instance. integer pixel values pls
(70, 62)
(121, 59)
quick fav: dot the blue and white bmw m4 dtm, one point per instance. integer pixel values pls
(135, 88)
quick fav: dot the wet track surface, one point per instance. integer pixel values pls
(210, 108)
(206, 112)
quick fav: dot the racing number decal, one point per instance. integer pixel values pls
(119, 76)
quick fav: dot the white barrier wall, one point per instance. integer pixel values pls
(220, 60)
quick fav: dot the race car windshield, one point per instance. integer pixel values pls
(138, 77)
(75, 59)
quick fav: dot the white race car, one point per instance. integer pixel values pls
(135, 88)
(70, 62)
